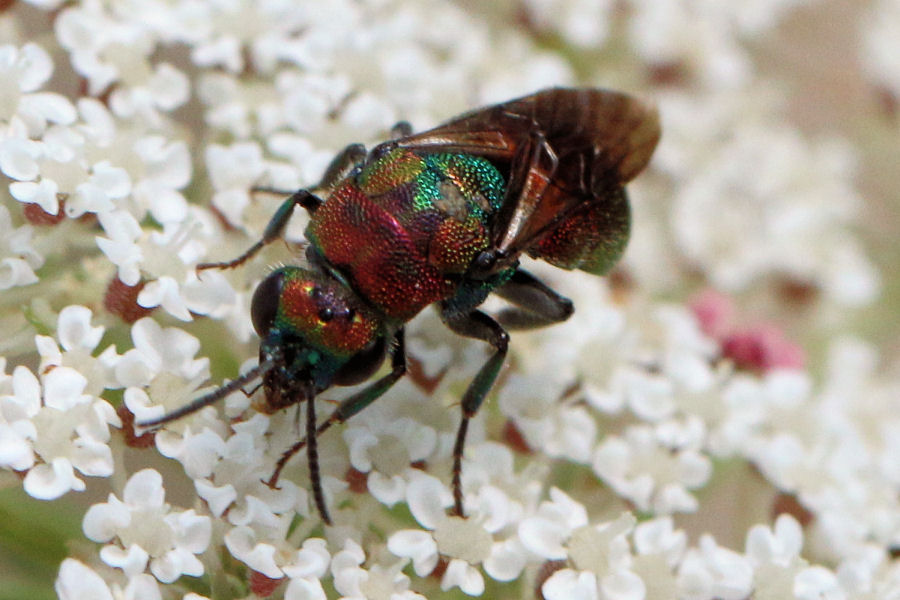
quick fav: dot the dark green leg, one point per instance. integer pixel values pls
(312, 457)
(480, 326)
(273, 230)
(346, 409)
(339, 168)
(536, 304)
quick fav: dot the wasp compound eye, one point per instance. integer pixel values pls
(264, 306)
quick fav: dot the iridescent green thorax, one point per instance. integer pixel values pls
(407, 228)
(474, 178)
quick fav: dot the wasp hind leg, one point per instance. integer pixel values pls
(339, 169)
(536, 305)
(478, 325)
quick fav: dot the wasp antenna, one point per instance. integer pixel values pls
(212, 397)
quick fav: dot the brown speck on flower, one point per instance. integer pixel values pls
(547, 569)
(788, 504)
(668, 74)
(797, 292)
(133, 440)
(121, 300)
(417, 375)
(357, 481)
(262, 585)
(887, 101)
(621, 283)
(440, 568)
(514, 438)
(37, 216)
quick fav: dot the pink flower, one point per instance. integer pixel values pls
(762, 348)
(757, 347)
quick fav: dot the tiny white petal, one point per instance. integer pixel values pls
(165, 292)
(417, 545)
(36, 65)
(567, 584)
(194, 531)
(15, 272)
(170, 566)
(427, 497)
(63, 387)
(387, 490)
(18, 159)
(461, 574)
(311, 560)
(142, 587)
(218, 498)
(507, 560)
(816, 583)
(102, 521)
(15, 448)
(145, 489)
(241, 542)
(91, 457)
(27, 395)
(623, 585)
(52, 107)
(304, 589)
(114, 181)
(77, 581)
(544, 537)
(48, 482)
(132, 560)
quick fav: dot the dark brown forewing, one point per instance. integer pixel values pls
(602, 139)
(617, 132)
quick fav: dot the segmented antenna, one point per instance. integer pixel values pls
(212, 397)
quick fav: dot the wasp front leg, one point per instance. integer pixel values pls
(339, 168)
(480, 326)
(346, 409)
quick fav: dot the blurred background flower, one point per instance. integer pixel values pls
(720, 419)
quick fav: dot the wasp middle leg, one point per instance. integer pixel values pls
(478, 325)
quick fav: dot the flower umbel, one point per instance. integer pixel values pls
(718, 420)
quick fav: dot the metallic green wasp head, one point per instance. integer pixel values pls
(316, 332)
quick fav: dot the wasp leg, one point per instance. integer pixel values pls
(536, 304)
(346, 409)
(312, 457)
(480, 326)
(340, 167)
(401, 129)
(274, 229)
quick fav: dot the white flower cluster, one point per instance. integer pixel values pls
(880, 56)
(632, 453)
(761, 199)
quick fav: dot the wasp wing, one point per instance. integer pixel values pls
(568, 153)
